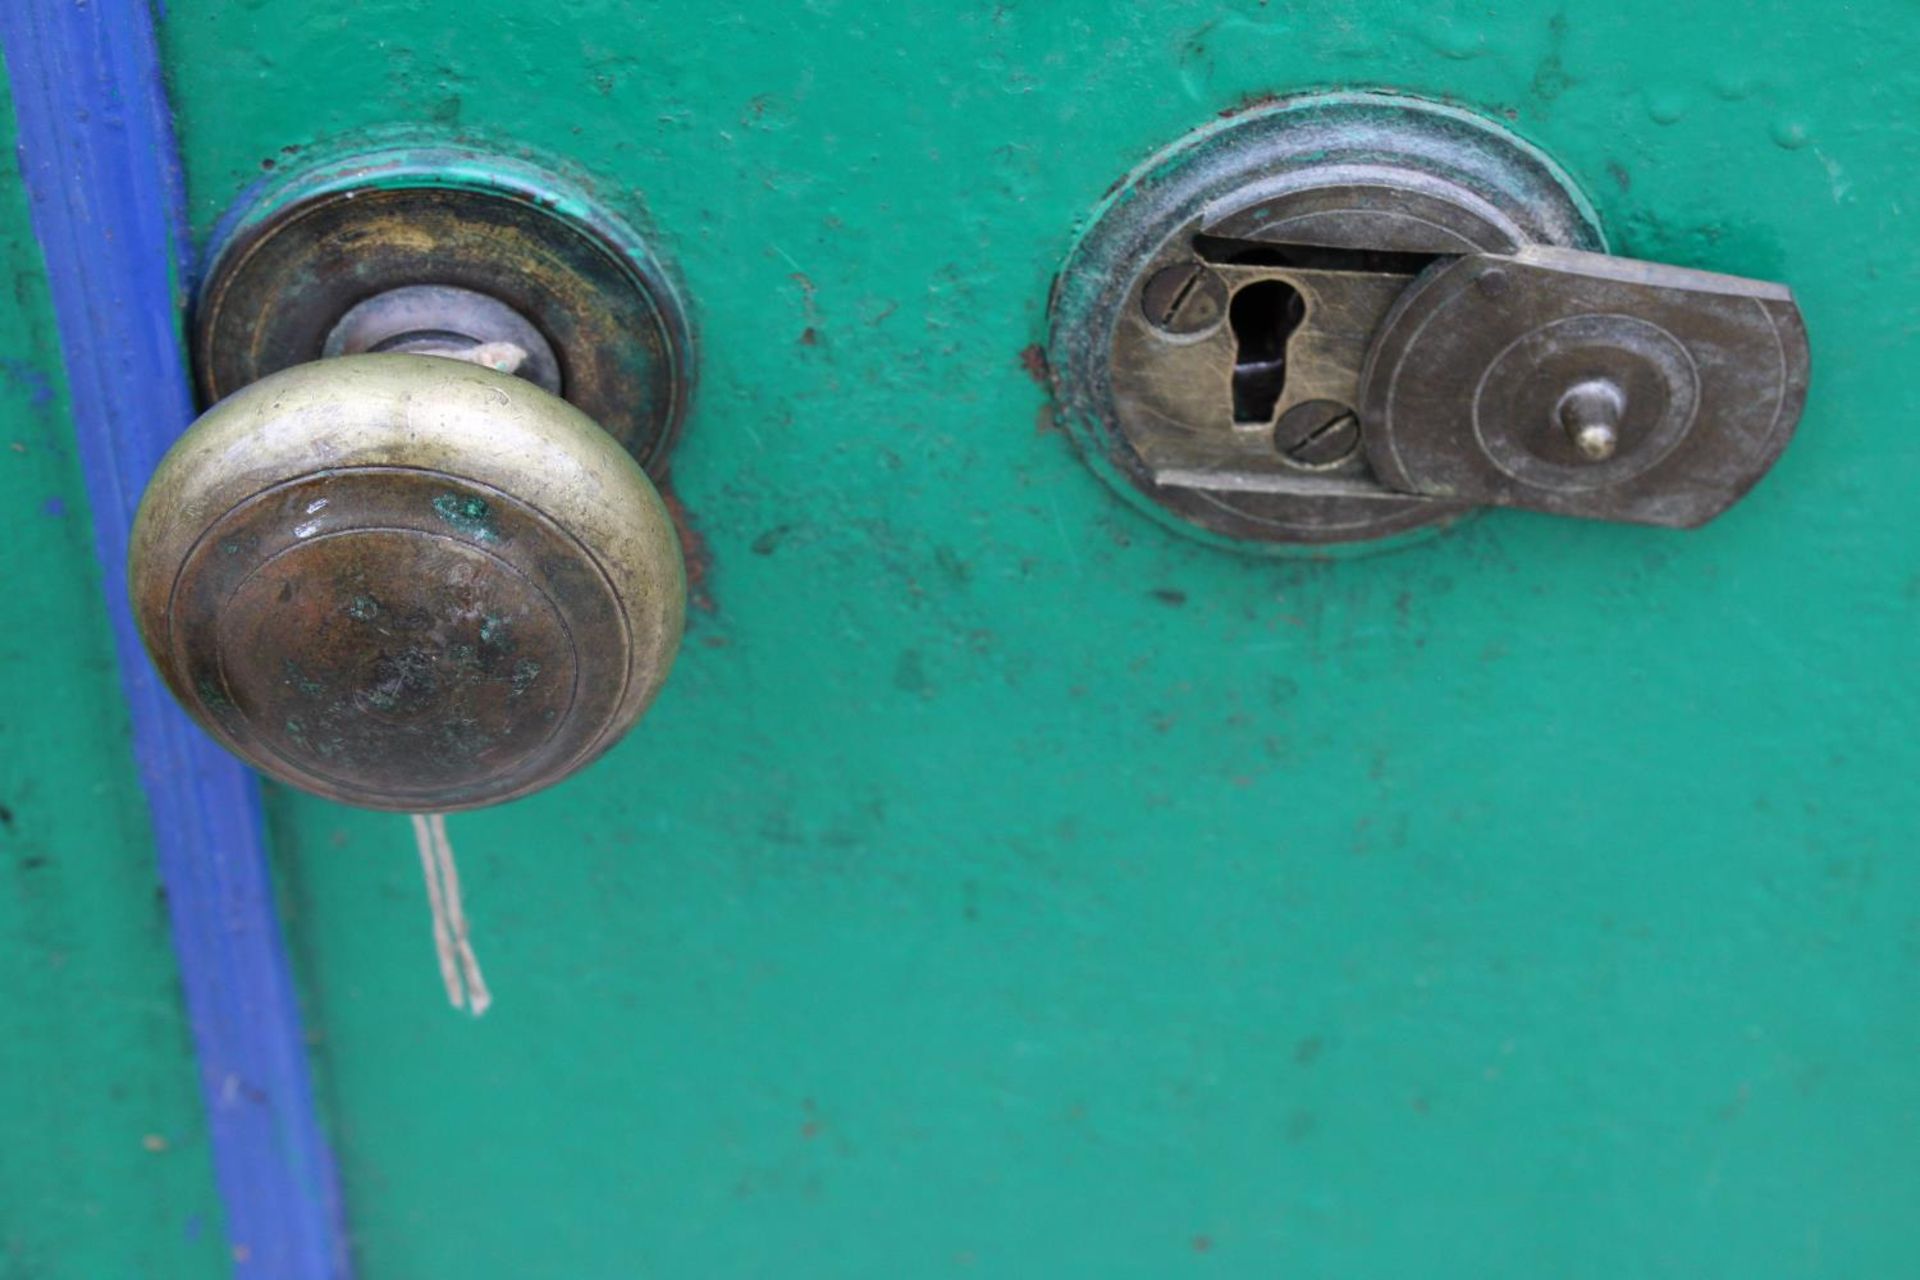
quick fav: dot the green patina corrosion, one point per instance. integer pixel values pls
(213, 695)
(496, 632)
(469, 514)
(305, 684)
(1004, 885)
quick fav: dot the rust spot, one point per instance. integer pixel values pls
(1252, 102)
(1033, 358)
(1044, 423)
(693, 545)
(809, 337)
(1203, 1244)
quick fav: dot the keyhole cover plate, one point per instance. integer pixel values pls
(407, 582)
(1344, 198)
(362, 225)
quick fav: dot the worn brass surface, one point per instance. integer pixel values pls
(407, 582)
(1180, 394)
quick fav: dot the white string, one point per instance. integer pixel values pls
(478, 997)
(452, 943)
(442, 944)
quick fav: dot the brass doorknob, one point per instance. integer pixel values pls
(407, 582)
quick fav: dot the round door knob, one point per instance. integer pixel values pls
(407, 582)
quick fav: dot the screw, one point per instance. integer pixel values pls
(1185, 298)
(1318, 435)
(1590, 413)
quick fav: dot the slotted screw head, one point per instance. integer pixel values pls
(1317, 435)
(1184, 299)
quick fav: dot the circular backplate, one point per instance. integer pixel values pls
(1515, 411)
(1394, 182)
(406, 582)
(1474, 383)
(333, 236)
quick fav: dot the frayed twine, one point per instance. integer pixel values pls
(459, 968)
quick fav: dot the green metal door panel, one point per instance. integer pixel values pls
(1005, 885)
(104, 1171)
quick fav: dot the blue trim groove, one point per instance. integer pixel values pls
(98, 154)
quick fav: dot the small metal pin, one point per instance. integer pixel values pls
(1590, 413)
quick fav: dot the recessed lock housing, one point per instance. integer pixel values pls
(1345, 317)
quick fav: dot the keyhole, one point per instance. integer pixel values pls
(1263, 317)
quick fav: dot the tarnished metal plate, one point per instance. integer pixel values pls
(1465, 395)
(349, 231)
(1382, 208)
(406, 582)
(1341, 198)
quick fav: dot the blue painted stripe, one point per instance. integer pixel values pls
(97, 151)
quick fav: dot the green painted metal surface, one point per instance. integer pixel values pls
(103, 1163)
(1005, 885)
